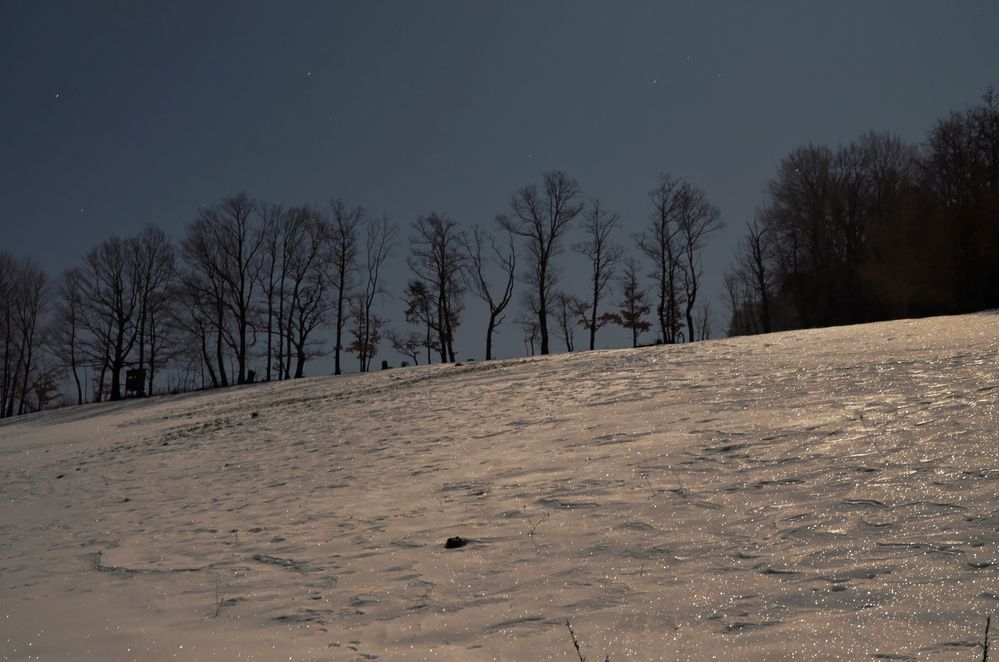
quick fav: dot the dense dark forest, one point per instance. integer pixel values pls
(876, 229)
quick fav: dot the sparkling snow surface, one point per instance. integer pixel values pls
(829, 494)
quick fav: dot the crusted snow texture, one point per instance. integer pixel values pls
(826, 494)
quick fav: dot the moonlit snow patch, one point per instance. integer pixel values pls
(829, 494)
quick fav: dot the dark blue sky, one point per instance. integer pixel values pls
(118, 114)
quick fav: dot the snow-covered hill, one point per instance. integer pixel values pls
(829, 494)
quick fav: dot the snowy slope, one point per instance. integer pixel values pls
(829, 494)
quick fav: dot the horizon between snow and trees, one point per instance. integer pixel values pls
(876, 229)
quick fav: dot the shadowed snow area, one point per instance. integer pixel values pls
(828, 494)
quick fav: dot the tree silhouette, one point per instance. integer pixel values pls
(438, 259)
(22, 305)
(661, 244)
(344, 255)
(697, 218)
(279, 237)
(410, 344)
(67, 326)
(111, 296)
(223, 250)
(367, 326)
(633, 306)
(542, 216)
(155, 270)
(477, 274)
(420, 311)
(603, 255)
(569, 311)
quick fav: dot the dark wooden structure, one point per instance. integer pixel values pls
(135, 382)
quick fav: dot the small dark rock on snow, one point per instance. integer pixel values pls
(455, 542)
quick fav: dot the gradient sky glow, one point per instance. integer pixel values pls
(118, 114)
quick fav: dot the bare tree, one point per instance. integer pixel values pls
(224, 250)
(754, 262)
(272, 275)
(344, 254)
(567, 314)
(24, 286)
(660, 242)
(195, 322)
(295, 253)
(155, 271)
(740, 303)
(296, 278)
(749, 284)
(410, 344)
(67, 326)
(8, 271)
(44, 386)
(603, 255)
(111, 296)
(240, 245)
(204, 293)
(309, 282)
(542, 217)
(478, 268)
(366, 331)
(190, 357)
(420, 311)
(528, 323)
(289, 242)
(697, 219)
(438, 258)
(704, 323)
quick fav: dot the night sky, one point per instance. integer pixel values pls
(118, 114)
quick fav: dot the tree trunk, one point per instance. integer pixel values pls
(270, 333)
(450, 332)
(220, 357)
(152, 353)
(442, 324)
(543, 311)
(115, 382)
(593, 313)
(280, 326)
(430, 356)
(662, 305)
(79, 387)
(765, 309)
(339, 321)
(489, 336)
(142, 342)
(99, 391)
(289, 330)
(72, 362)
(22, 407)
(118, 362)
(7, 380)
(241, 359)
(207, 362)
